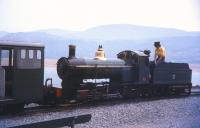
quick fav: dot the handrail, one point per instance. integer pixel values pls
(46, 82)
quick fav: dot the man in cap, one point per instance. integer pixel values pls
(160, 53)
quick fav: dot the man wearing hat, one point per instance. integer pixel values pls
(160, 53)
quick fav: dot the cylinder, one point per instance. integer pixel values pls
(72, 51)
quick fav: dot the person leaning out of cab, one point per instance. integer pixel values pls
(160, 53)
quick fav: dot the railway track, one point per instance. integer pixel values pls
(70, 106)
(195, 91)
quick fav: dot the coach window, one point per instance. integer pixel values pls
(30, 54)
(29, 58)
(23, 54)
(39, 55)
(5, 58)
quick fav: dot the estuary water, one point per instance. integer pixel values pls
(50, 72)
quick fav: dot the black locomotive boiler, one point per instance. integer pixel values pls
(130, 75)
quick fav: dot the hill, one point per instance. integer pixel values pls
(181, 46)
(3, 33)
(121, 32)
(129, 32)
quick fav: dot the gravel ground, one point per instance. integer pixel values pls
(163, 113)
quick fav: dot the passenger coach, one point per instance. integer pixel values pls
(21, 73)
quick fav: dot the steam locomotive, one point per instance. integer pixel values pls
(130, 75)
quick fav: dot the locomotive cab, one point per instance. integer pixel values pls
(22, 69)
(139, 62)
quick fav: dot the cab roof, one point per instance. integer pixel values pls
(138, 53)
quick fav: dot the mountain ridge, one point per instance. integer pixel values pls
(181, 46)
(118, 32)
(3, 33)
(125, 32)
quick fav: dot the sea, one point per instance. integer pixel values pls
(51, 72)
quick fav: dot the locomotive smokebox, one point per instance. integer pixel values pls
(72, 51)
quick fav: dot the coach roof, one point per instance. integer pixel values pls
(19, 44)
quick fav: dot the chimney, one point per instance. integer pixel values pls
(72, 51)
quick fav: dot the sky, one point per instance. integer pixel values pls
(78, 15)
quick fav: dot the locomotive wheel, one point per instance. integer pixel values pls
(68, 91)
(129, 93)
(156, 91)
(144, 92)
(19, 107)
(14, 108)
(124, 92)
(65, 90)
(189, 91)
(180, 91)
